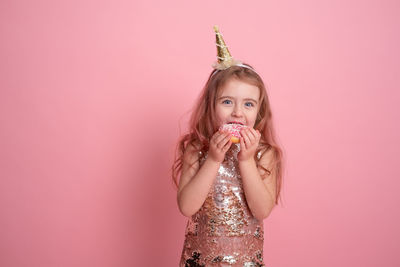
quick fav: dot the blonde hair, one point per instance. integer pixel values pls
(202, 122)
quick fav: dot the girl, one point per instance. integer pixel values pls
(225, 189)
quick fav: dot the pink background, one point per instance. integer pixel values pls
(93, 94)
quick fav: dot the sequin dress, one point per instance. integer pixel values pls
(223, 232)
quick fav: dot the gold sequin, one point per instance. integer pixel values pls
(224, 232)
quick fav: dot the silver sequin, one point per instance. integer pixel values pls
(224, 232)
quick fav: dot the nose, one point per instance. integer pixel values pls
(237, 111)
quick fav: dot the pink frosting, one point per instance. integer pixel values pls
(233, 128)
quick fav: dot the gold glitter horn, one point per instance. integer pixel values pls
(224, 58)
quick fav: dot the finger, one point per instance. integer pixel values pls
(242, 144)
(222, 139)
(227, 145)
(246, 139)
(258, 134)
(215, 135)
(223, 135)
(218, 136)
(252, 135)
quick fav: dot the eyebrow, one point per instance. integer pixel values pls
(246, 99)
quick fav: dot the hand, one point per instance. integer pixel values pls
(220, 143)
(248, 143)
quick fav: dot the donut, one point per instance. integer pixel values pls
(234, 129)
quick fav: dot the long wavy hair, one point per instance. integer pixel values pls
(202, 123)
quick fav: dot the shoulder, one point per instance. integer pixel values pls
(191, 156)
(190, 164)
(265, 158)
(267, 171)
(192, 151)
(266, 154)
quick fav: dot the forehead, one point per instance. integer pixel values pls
(239, 88)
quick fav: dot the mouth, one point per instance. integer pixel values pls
(235, 122)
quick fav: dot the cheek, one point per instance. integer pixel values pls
(253, 113)
(221, 111)
(253, 116)
(219, 114)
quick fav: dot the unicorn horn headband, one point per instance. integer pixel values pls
(224, 58)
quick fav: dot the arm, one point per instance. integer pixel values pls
(260, 194)
(194, 185)
(195, 181)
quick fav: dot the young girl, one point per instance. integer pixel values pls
(225, 189)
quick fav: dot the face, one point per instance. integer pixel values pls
(238, 102)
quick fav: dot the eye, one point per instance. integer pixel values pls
(227, 102)
(249, 104)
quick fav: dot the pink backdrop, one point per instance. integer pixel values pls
(93, 94)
